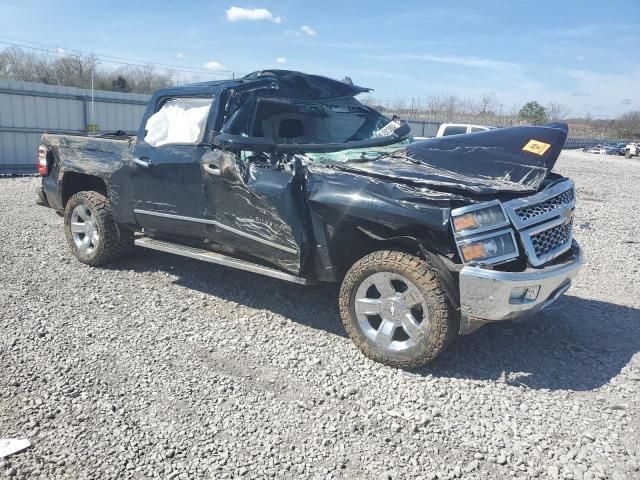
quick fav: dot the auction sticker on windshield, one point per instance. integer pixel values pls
(537, 147)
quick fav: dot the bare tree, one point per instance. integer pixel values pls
(433, 106)
(627, 126)
(76, 70)
(487, 105)
(451, 108)
(557, 111)
(399, 104)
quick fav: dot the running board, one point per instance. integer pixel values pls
(217, 258)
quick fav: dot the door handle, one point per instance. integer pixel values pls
(143, 162)
(212, 169)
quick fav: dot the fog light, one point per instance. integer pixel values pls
(524, 294)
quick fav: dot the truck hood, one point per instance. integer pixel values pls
(515, 159)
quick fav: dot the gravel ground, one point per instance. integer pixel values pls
(161, 366)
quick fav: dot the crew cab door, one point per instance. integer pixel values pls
(255, 208)
(167, 178)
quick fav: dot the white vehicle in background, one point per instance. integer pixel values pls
(598, 149)
(447, 129)
(632, 150)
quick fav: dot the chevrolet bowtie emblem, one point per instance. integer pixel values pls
(567, 214)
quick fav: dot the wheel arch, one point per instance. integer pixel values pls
(368, 239)
(74, 182)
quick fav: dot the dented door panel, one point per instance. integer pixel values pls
(168, 192)
(254, 208)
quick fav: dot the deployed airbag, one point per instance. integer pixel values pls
(178, 121)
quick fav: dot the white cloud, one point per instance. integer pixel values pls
(582, 91)
(60, 52)
(477, 62)
(308, 30)
(304, 30)
(282, 60)
(181, 56)
(377, 74)
(239, 14)
(618, 91)
(214, 66)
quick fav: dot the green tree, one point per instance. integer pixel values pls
(120, 84)
(533, 113)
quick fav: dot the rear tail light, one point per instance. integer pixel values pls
(42, 165)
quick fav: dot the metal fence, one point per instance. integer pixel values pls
(29, 109)
(424, 128)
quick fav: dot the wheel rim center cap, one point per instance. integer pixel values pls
(392, 309)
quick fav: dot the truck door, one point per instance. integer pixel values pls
(167, 179)
(255, 208)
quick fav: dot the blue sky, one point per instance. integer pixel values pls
(585, 54)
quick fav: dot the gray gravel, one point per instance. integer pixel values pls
(160, 366)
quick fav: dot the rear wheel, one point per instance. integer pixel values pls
(92, 235)
(395, 310)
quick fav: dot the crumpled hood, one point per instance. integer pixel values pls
(515, 159)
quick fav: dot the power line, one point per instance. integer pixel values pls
(104, 57)
(110, 58)
(104, 60)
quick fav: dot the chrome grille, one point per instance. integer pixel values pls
(529, 212)
(543, 222)
(548, 241)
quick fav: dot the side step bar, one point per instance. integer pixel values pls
(217, 258)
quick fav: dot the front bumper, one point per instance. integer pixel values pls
(491, 295)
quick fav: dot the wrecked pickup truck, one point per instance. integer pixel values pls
(287, 175)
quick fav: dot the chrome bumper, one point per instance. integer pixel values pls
(491, 295)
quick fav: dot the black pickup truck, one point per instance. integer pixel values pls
(288, 175)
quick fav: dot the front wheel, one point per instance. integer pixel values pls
(92, 235)
(395, 310)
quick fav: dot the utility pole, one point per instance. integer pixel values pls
(93, 118)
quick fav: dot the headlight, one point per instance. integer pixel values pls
(478, 218)
(491, 248)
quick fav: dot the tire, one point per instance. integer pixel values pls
(95, 238)
(424, 320)
(627, 155)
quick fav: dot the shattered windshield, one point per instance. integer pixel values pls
(357, 155)
(294, 121)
